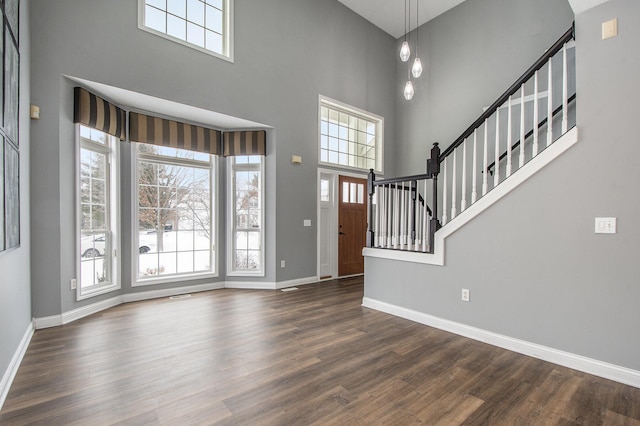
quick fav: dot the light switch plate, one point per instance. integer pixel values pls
(307, 222)
(605, 225)
(610, 29)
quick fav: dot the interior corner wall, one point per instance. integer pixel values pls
(15, 291)
(471, 54)
(535, 268)
(287, 52)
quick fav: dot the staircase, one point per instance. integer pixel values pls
(527, 127)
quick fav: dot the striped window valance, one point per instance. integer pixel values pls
(93, 111)
(175, 134)
(250, 142)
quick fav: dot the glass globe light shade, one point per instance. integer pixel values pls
(405, 52)
(408, 90)
(416, 70)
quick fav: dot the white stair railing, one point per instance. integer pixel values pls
(516, 115)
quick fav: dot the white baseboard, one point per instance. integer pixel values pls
(12, 369)
(67, 317)
(75, 314)
(269, 285)
(577, 362)
(250, 285)
(155, 294)
(298, 281)
(532, 167)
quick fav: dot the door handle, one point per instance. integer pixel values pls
(341, 233)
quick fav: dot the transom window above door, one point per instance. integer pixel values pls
(205, 25)
(349, 137)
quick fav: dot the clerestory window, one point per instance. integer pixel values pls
(205, 25)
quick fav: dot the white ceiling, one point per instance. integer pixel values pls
(389, 14)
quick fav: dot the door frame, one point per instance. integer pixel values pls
(333, 220)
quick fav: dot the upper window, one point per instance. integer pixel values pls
(202, 24)
(98, 216)
(350, 137)
(175, 214)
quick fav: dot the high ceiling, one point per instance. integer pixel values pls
(389, 14)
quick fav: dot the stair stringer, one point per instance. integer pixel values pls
(532, 167)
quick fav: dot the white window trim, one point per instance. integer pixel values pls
(114, 219)
(231, 226)
(141, 282)
(228, 32)
(329, 102)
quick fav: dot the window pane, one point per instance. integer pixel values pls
(340, 130)
(167, 263)
(195, 12)
(160, 4)
(174, 200)
(353, 191)
(214, 19)
(324, 190)
(360, 193)
(214, 42)
(197, 22)
(345, 192)
(215, 3)
(195, 34)
(201, 260)
(177, 7)
(155, 19)
(246, 234)
(185, 262)
(176, 27)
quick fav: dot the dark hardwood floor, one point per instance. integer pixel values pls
(306, 357)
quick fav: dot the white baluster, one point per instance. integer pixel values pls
(425, 231)
(485, 172)
(565, 91)
(550, 105)
(463, 202)
(521, 156)
(535, 114)
(403, 224)
(376, 213)
(509, 140)
(444, 195)
(396, 218)
(383, 216)
(474, 170)
(389, 211)
(496, 167)
(454, 185)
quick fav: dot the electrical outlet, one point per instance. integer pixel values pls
(74, 283)
(283, 264)
(465, 294)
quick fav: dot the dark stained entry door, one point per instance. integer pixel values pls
(352, 225)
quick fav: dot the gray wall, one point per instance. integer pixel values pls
(15, 293)
(286, 53)
(534, 266)
(471, 55)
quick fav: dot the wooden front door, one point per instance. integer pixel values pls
(352, 225)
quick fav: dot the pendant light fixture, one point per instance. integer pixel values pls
(408, 90)
(405, 50)
(416, 70)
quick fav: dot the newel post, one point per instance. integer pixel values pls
(371, 178)
(433, 169)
